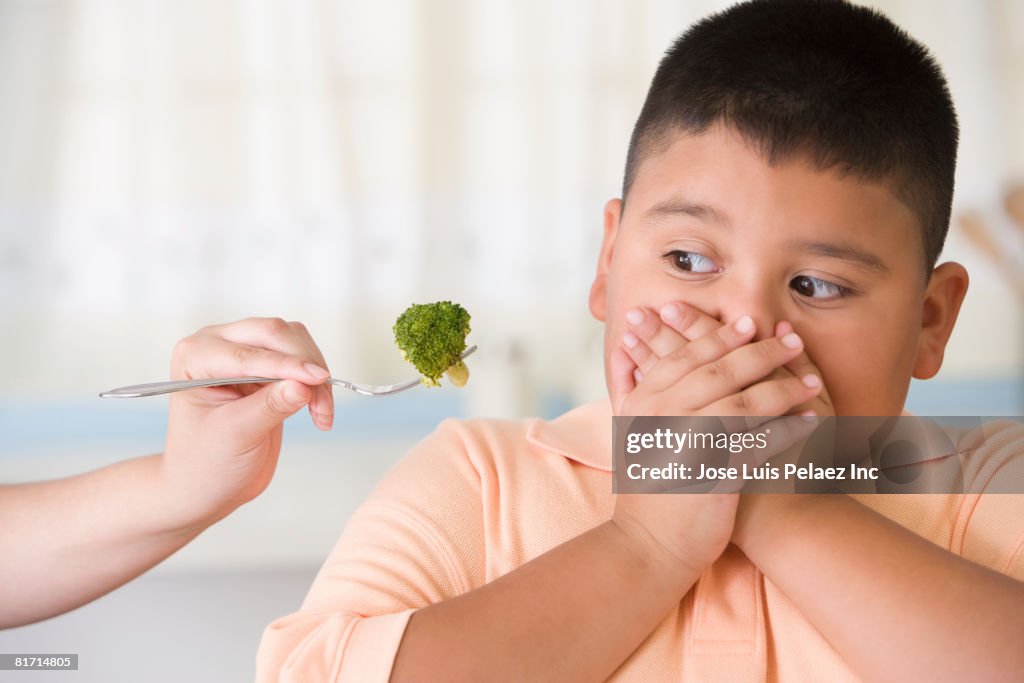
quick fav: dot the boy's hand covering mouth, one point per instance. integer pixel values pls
(698, 366)
(654, 335)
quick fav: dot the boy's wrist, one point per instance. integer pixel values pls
(663, 566)
(761, 517)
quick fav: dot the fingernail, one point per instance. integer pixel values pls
(744, 324)
(669, 312)
(808, 415)
(811, 381)
(323, 420)
(635, 316)
(792, 340)
(630, 339)
(637, 375)
(316, 371)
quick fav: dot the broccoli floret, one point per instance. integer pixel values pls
(432, 337)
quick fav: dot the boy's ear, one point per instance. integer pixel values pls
(942, 298)
(599, 288)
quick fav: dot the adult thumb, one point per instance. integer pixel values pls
(267, 408)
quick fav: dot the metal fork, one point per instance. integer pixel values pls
(157, 388)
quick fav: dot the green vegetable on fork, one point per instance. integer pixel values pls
(433, 337)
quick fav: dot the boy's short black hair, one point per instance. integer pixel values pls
(838, 83)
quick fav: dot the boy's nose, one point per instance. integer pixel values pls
(764, 312)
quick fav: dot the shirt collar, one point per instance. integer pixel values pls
(583, 434)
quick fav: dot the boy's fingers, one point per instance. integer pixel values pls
(737, 369)
(690, 357)
(671, 326)
(780, 433)
(785, 431)
(802, 366)
(771, 397)
(646, 325)
(620, 375)
(689, 321)
(639, 352)
(674, 324)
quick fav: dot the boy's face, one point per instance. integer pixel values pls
(709, 223)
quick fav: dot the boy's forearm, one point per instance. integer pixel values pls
(894, 605)
(573, 614)
(88, 534)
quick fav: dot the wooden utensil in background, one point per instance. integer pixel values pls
(986, 240)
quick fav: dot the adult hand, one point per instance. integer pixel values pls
(223, 442)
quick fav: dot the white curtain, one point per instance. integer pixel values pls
(166, 164)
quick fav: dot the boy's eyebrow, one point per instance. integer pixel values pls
(671, 207)
(843, 252)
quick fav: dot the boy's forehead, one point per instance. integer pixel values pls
(720, 177)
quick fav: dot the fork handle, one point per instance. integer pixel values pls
(157, 388)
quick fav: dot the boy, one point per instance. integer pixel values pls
(787, 194)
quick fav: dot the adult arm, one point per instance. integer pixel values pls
(66, 542)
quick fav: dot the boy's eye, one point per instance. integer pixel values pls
(691, 261)
(816, 288)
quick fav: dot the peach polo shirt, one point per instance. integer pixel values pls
(478, 498)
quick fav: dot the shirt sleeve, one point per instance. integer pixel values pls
(416, 541)
(993, 532)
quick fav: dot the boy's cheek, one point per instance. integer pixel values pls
(870, 394)
(862, 378)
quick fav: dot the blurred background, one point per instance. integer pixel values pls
(165, 165)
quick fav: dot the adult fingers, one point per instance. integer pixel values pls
(321, 407)
(286, 337)
(208, 356)
(250, 419)
(269, 333)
